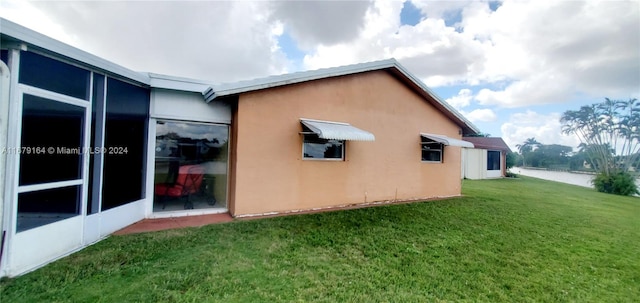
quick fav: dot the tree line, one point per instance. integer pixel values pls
(609, 133)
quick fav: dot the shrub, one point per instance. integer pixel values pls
(621, 183)
(511, 175)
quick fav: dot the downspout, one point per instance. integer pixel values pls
(5, 76)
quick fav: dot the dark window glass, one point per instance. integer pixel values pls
(431, 150)
(493, 160)
(42, 207)
(4, 56)
(190, 166)
(51, 141)
(125, 143)
(46, 73)
(97, 110)
(318, 148)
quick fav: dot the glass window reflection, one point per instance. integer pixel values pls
(190, 166)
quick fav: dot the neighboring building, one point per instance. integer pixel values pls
(488, 158)
(92, 147)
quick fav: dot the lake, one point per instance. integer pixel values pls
(559, 176)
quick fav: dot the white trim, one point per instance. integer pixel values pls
(38, 92)
(151, 167)
(177, 83)
(51, 185)
(10, 170)
(447, 140)
(190, 212)
(84, 195)
(227, 89)
(99, 157)
(15, 129)
(331, 130)
(121, 216)
(48, 236)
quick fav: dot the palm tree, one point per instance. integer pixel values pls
(527, 147)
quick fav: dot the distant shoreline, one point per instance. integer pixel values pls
(559, 170)
(579, 178)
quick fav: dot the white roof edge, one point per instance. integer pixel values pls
(292, 78)
(273, 81)
(177, 83)
(33, 38)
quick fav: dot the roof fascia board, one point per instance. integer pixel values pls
(40, 41)
(286, 79)
(177, 83)
(268, 82)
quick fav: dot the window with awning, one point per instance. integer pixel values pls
(337, 130)
(432, 146)
(447, 140)
(326, 139)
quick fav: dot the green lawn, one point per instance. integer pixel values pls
(523, 240)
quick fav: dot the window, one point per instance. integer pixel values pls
(51, 124)
(493, 160)
(431, 150)
(314, 147)
(46, 73)
(4, 56)
(56, 130)
(190, 166)
(127, 109)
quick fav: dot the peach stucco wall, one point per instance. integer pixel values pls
(270, 175)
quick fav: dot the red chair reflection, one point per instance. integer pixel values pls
(188, 182)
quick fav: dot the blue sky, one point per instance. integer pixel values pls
(511, 67)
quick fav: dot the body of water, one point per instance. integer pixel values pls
(559, 176)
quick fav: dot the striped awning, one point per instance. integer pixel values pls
(447, 140)
(337, 130)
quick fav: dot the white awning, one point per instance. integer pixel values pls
(447, 140)
(337, 130)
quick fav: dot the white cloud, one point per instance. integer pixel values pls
(28, 15)
(432, 51)
(546, 129)
(315, 23)
(531, 52)
(524, 53)
(481, 115)
(541, 88)
(217, 41)
(461, 100)
(550, 51)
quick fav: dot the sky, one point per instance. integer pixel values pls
(510, 67)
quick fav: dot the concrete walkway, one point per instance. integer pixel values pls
(148, 225)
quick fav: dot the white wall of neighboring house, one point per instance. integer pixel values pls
(475, 163)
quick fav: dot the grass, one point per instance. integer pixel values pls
(523, 240)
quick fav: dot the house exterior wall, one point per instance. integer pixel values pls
(271, 176)
(179, 105)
